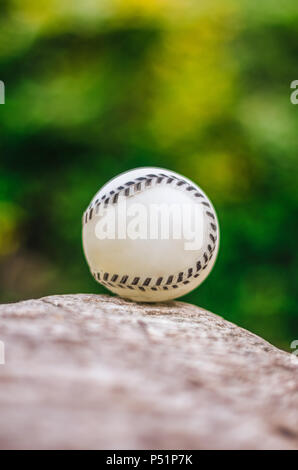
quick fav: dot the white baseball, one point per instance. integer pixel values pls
(154, 267)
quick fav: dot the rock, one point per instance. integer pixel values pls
(93, 371)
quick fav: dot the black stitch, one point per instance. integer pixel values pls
(97, 207)
(138, 187)
(103, 197)
(86, 217)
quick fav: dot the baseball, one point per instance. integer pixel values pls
(150, 235)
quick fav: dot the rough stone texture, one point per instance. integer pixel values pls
(90, 371)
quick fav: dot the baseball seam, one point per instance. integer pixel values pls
(170, 281)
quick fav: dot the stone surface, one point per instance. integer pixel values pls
(93, 371)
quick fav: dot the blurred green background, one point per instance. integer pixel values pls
(95, 88)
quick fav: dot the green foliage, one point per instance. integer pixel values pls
(96, 88)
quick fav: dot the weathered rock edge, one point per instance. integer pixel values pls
(93, 371)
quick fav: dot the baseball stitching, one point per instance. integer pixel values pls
(171, 281)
